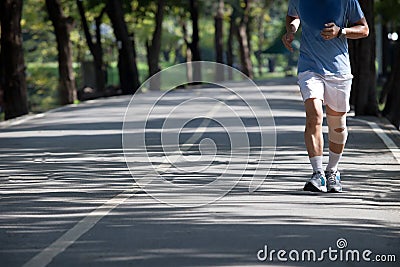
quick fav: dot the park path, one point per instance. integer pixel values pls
(68, 199)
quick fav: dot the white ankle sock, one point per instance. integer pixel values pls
(316, 163)
(333, 161)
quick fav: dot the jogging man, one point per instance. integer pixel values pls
(324, 77)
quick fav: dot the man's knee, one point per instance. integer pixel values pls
(337, 129)
(314, 120)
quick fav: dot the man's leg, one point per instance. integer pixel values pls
(313, 133)
(337, 140)
(312, 87)
(315, 144)
(337, 137)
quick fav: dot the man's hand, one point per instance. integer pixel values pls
(330, 31)
(292, 25)
(287, 40)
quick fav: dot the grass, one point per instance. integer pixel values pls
(271, 75)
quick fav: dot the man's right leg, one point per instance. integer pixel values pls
(315, 143)
(313, 133)
(312, 88)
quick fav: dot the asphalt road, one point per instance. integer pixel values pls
(67, 197)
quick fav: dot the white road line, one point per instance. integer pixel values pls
(385, 138)
(61, 244)
(73, 234)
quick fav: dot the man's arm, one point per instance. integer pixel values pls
(358, 31)
(292, 25)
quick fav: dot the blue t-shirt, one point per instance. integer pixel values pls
(325, 57)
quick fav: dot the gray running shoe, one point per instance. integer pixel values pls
(317, 183)
(333, 181)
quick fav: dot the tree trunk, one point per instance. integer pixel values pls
(194, 45)
(154, 47)
(261, 38)
(2, 67)
(219, 40)
(386, 63)
(189, 69)
(62, 28)
(128, 72)
(95, 48)
(385, 50)
(392, 86)
(244, 48)
(363, 56)
(12, 65)
(229, 52)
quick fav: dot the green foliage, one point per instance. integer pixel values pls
(267, 22)
(37, 33)
(40, 53)
(389, 10)
(42, 80)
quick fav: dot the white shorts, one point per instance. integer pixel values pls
(334, 90)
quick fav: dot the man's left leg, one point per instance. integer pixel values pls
(337, 140)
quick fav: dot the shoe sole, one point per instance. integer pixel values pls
(334, 191)
(311, 188)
